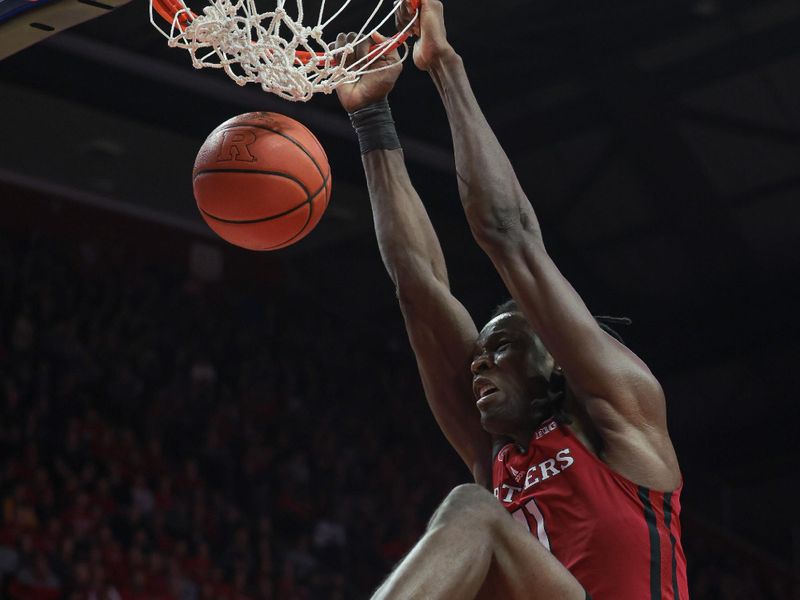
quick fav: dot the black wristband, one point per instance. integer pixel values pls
(375, 127)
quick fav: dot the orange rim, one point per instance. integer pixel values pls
(167, 9)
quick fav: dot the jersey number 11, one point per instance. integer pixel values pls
(530, 512)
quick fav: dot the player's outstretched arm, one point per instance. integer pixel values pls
(620, 393)
(441, 331)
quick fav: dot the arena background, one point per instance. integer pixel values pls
(183, 419)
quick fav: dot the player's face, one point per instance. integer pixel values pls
(508, 376)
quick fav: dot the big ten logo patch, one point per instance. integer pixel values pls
(235, 145)
(551, 426)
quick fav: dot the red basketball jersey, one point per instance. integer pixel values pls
(620, 540)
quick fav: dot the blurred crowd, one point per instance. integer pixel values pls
(165, 439)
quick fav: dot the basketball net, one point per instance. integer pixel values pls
(275, 49)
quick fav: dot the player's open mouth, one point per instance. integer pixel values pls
(486, 392)
(482, 388)
(487, 398)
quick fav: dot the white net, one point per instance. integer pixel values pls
(274, 48)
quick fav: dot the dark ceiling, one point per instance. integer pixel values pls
(659, 141)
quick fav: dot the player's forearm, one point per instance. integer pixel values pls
(493, 200)
(406, 238)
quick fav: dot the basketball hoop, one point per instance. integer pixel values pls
(274, 48)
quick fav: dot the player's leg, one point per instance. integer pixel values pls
(474, 549)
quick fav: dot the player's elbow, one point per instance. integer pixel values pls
(411, 272)
(407, 295)
(501, 226)
(413, 289)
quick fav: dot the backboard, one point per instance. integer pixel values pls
(26, 22)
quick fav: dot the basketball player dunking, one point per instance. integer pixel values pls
(559, 418)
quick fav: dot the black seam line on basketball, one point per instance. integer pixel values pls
(325, 180)
(256, 171)
(676, 593)
(308, 200)
(309, 195)
(303, 228)
(321, 149)
(655, 544)
(283, 135)
(310, 213)
(308, 220)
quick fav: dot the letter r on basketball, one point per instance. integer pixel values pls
(235, 145)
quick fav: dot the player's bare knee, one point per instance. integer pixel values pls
(469, 502)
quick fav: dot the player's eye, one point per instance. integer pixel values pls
(503, 345)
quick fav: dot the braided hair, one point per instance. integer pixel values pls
(557, 383)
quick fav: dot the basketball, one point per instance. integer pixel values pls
(261, 181)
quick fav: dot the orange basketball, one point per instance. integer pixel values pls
(261, 181)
